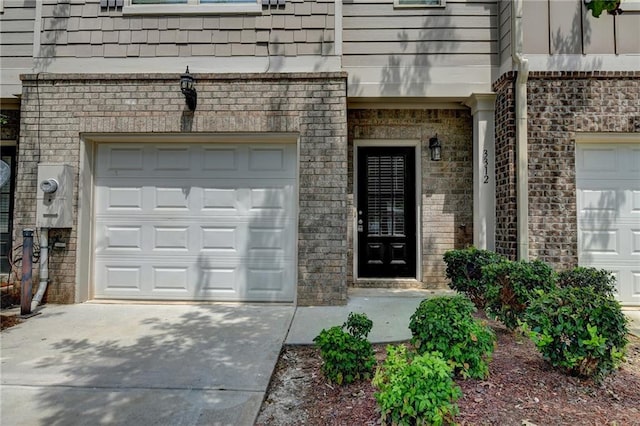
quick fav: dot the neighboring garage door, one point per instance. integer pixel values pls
(608, 183)
(195, 222)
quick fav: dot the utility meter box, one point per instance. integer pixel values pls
(54, 196)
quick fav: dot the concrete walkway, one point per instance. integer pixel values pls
(128, 364)
(389, 310)
(92, 364)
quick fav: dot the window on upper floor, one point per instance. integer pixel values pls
(419, 3)
(162, 7)
(189, 1)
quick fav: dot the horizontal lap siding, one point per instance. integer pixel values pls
(84, 30)
(16, 31)
(379, 31)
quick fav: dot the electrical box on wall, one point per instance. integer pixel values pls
(54, 196)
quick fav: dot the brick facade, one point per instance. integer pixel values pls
(559, 106)
(447, 190)
(505, 166)
(57, 109)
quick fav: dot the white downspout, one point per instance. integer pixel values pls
(44, 268)
(522, 181)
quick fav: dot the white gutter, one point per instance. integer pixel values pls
(522, 180)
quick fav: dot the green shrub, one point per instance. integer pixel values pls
(347, 356)
(578, 330)
(464, 269)
(415, 389)
(512, 285)
(602, 281)
(446, 325)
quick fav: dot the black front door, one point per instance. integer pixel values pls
(386, 223)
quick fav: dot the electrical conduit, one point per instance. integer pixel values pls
(44, 268)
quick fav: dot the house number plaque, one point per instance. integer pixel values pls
(485, 163)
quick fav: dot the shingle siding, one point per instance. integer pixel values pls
(285, 28)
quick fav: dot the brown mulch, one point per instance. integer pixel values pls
(7, 321)
(521, 390)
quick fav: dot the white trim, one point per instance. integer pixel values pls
(282, 137)
(390, 143)
(419, 3)
(542, 62)
(406, 103)
(484, 177)
(37, 29)
(337, 42)
(200, 64)
(193, 7)
(84, 224)
(85, 286)
(608, 137)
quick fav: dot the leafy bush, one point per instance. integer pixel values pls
(415, 389)
(578, 330)
(512, 285)
(464, 269)
(446, 325)
(347, 356)
(602, 281)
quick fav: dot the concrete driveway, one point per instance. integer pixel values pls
(93, 364)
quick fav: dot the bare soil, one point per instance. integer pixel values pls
(522, 389)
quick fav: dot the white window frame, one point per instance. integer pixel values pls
(420, 3)
(191, 7)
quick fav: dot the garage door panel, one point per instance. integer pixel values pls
(225, 159)
(171, 238)
(189, 235)
(608, 200)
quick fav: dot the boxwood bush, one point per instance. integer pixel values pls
(579, 330)
(415, 389)
(446, 325)
(347, 355)
(512, 285)
(602, 281)
(464, 269)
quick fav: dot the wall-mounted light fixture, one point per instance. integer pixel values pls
(436, 148)
(188, 90)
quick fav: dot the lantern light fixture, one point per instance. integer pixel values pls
(436, 148)
(187, 83)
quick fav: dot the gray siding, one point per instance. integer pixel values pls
(505, 32)
(83, 30)
(16, 43)
(16, 29)
(566, 27)
(463, 32)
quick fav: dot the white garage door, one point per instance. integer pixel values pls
(195, 222)
(608, 182)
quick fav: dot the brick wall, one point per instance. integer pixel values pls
(56, 109)
(506, 225)
(559, 105)
(447, 190)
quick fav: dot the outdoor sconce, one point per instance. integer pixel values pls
(186, 86)
(436, 148)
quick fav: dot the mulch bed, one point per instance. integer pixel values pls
(522, 389)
